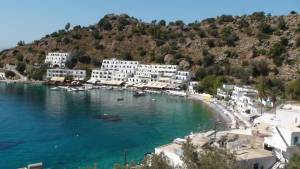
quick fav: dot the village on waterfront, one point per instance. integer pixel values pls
(263, 132)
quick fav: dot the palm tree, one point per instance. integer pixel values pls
(261, 88)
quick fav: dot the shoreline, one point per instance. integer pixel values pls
(218, 114)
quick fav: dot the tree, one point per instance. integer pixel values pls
(10, 74)
(200, 73)
(162, 23)
(37, 73)
(209, 84)
(105, 24)
(261, 88)
(67, 26)
(258, 16)
(156, 161)
(229, 36)
(21, 43)
(275, 88)
(208, 59)
(265, 28)
(293, 13)
(126, 56)
(281, 23)
(293, 89)
(259, 68)
(19, 57)
(21, 66)
(208, 158)
(276, 50)
(294, 162)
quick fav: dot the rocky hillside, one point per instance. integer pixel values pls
(240, 48)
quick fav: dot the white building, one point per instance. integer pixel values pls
(122, 66)
(99, 74)
(285, 130)
(245, 99)
(2, 76)
(114, 69)
(248, 149)
(155, 73)
(133, 72)
(192, 87)
(57, 60)
(76, 74)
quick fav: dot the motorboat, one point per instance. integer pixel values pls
(120, 99)
(139, 93)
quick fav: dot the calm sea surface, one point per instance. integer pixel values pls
(59, 128)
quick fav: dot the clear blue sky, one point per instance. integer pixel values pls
(31, 19)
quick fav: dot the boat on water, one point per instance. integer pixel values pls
(107, 117)
(63, 87)
(139, 93)
(73, 89)
(80, 88)
(54, 88)
(120, 99)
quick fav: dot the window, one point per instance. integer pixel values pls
(296, 140)
(255, 166)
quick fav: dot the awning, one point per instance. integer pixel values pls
(111, 82)
(58, 79)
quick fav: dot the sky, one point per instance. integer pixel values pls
(30, 20)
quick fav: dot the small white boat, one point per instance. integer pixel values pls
(54, 88)
(63, 87)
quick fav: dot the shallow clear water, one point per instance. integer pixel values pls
(59, 128)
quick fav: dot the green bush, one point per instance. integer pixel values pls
(281, 24)
(96, 35)
(200, 73)
(208, 60)
(225, 18)
(21, 67)
(259, 68)
(105, 24)
(265, 28)
(126, 56)
(210, 43)
(21, 43)
(228, 36)
(242, 23)
(297, 41)
(209, 84)
(258, 16)
(276, 50)
(76, 35)
(293, 89)
(10, 74)
(37, 73)
(19, 57)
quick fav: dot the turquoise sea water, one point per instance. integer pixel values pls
(59, 128)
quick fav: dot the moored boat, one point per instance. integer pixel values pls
(138, 93)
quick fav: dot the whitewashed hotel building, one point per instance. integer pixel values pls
(76, 74)
(133, 72)
(114, 69)
(57, 60)
(154, 73)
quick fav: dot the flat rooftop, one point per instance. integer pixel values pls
(246, 154)
(172, 148)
